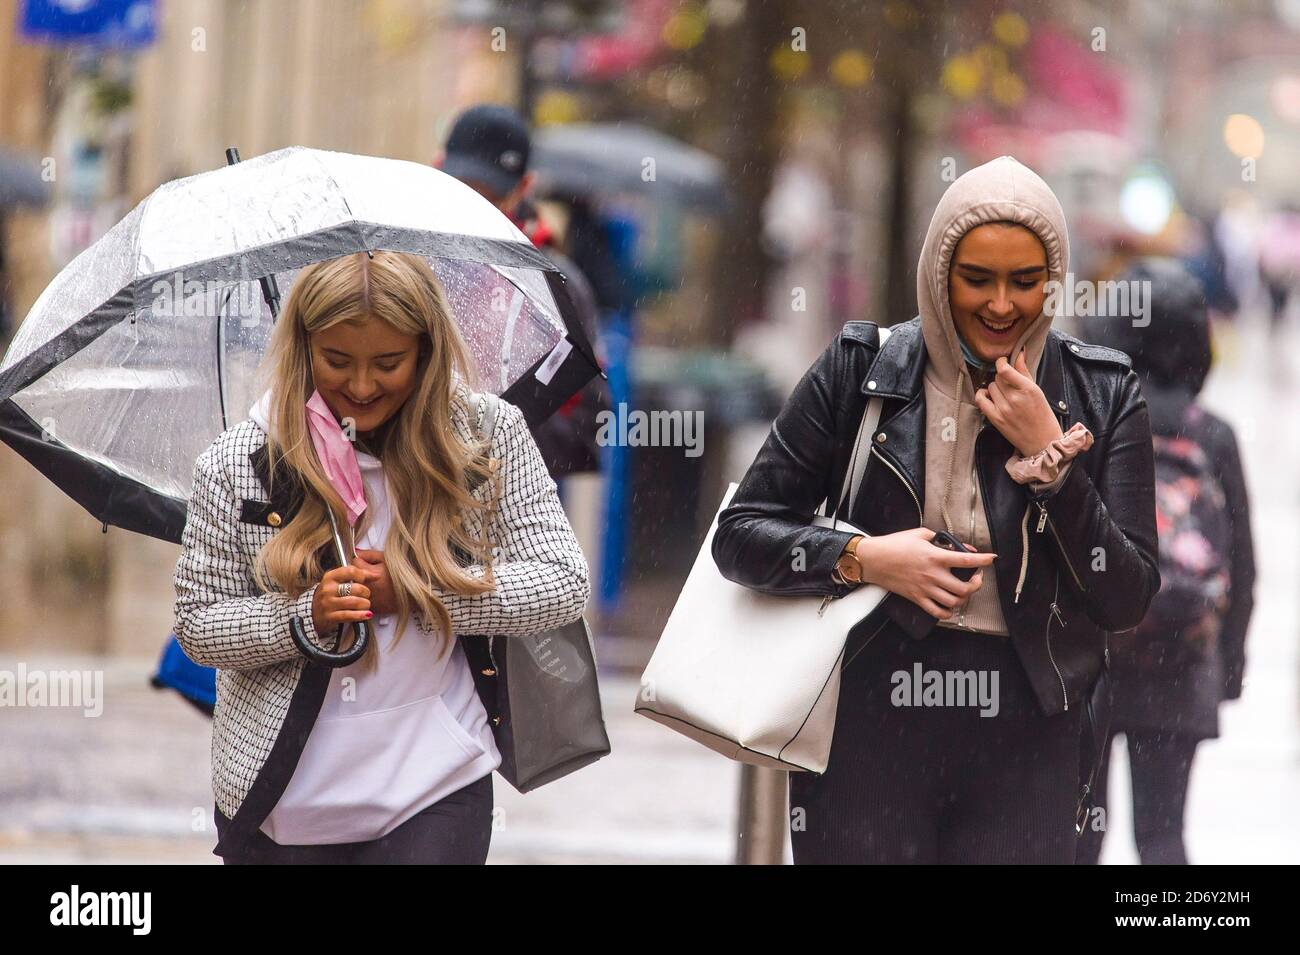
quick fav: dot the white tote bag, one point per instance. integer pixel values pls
(753, 676)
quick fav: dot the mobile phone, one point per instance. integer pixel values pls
(914, 621)
(948, 542)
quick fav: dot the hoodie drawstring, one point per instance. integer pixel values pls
(952, 454)
(1024, 551)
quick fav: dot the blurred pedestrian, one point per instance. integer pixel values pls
(1189, 653)
(972, 440)
(1237, 231)
(488, 149)
(388, 759)
(1207, 261)
(1279, 261)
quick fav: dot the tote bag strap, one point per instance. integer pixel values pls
(487, 416)
(861, 448)
(485, 406)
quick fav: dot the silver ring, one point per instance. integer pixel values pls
(345, 589)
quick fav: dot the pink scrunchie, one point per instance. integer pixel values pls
(1045, 466)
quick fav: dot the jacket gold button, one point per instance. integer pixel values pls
(881, 437)
(1061, 405)
(496, 721)
(871, 385)
(273, 518)
(1074, 348)
(489, 672)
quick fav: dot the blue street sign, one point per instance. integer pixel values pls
(114, 23)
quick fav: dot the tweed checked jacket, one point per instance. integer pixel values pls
(268, 694)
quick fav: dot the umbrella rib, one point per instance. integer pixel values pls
(135, 244)
(221, 340)
(352, 218)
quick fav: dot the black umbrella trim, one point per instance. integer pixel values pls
(538, 401)
(111, 497)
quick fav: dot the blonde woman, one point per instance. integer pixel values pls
(388, 759)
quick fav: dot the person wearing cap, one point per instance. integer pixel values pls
(488, 149)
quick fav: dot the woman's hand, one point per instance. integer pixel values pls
(1017, 407)
(328, 609)
(907, 564)
(382, 600)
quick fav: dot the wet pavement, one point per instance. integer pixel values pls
(131, 785)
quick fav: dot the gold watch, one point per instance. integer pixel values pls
(848, 569)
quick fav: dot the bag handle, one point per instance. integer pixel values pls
(861, 449)
(487, 419)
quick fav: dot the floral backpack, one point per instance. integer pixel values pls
(1195, 531)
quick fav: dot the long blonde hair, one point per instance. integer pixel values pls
(429, 468)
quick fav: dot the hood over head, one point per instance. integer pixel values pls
(1003, 190)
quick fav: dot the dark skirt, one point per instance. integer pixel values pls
(918, 775)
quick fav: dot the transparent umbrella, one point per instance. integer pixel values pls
(143, 349)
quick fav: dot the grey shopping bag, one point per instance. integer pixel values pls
(548, 701)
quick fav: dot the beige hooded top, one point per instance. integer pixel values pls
(1001, 190)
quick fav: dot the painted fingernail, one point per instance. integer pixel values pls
(369, 614)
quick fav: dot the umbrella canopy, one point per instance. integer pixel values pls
(587, 159)
(144, 348)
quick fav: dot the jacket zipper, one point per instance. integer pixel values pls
(976, 480)
(974, 477)
(920, 515)
(1043, 520)
(1055, 611)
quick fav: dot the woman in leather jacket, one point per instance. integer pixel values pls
(1033, 449)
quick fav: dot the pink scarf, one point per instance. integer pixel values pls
(337, 456)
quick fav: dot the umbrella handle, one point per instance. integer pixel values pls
(327, 658)
(314, 653)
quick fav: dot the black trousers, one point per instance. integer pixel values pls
(1161, 766)
(939, 784)
(455, 830)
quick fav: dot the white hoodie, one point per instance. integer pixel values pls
(385, 744)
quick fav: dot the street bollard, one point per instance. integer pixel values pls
(760, 834)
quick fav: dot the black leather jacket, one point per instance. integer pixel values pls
(1092, 565)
